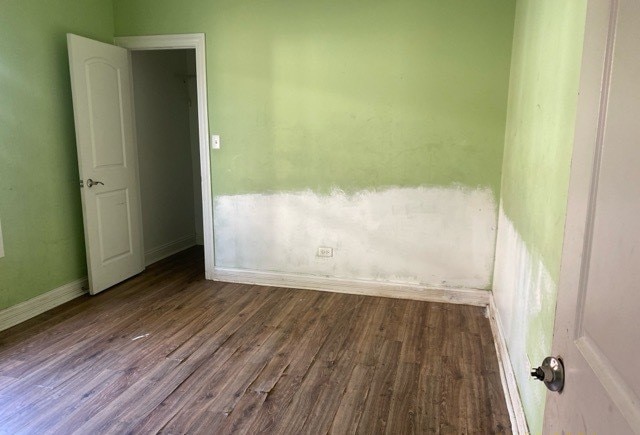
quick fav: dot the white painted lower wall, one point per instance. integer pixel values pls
(434, 236)
(525, 295)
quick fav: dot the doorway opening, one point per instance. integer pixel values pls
(166, 119)
(170, 104)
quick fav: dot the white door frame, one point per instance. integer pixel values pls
(178, 42)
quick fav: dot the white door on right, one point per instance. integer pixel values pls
(597, 331)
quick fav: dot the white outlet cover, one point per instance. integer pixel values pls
(324, 251)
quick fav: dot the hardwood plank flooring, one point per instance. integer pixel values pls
(169, 352)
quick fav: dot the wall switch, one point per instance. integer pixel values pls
(215, 141)
(1, 242)
(325, 252)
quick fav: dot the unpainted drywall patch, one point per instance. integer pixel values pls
(525, 296)
(439, 236)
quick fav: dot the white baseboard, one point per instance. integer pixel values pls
(509, 384)
(168, 249)
(353, 286)
(26, 310)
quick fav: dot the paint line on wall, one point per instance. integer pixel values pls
(439, 236)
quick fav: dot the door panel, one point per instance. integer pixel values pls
(614, 268)
(114, 225)
(597, 322)
(103, 111)
(108, 137)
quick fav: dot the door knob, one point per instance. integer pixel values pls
(91, 183)
(551, 372)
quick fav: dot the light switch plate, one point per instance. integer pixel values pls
(1, 242)
(215, 141)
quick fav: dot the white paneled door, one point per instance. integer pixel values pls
(597, 330)
(107, 158)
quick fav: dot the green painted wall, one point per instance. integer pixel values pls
(545, 72)
(314, 95)
(347, 94)
(39, 195)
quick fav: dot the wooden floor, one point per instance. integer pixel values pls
(170, 352)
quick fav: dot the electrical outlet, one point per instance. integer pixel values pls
(324, 252)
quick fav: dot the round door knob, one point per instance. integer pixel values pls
(551, 372)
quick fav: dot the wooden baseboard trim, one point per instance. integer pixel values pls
(28, 309)
(168, 249)
(357, 287)
(509, 384)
